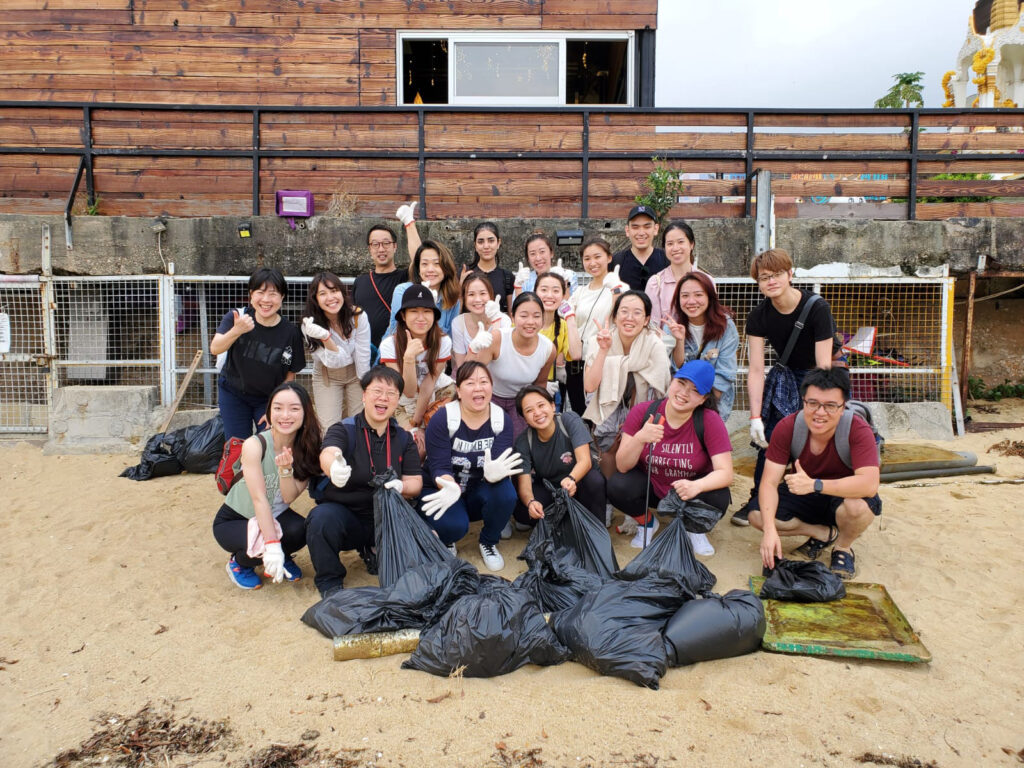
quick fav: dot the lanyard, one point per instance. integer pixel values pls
(369, 451)
(376, 290)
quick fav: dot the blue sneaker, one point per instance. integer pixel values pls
(244, 578)
(292, 572)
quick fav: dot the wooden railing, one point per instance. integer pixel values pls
(188, 160)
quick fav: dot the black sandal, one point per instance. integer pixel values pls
(812, 548)
(843, 564)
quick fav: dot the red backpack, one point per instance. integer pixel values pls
(229, 470)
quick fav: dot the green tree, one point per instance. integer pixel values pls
(904, 94)
(663, 188)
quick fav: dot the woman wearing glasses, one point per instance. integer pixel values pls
(702, 330)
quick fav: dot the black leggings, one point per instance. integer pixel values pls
(231, 531)
(627, 490)
(589, 492)
(574, 388)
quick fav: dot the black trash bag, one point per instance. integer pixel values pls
(200, 447)
(672, 554)
(556, 579)
(418, 598)
(403, 538)
(617, 629)
(571, 526)
(715, 627)
(158, 459)
(698, 516)
(493, 632)
(802, 582)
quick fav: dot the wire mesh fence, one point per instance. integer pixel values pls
(146, 330)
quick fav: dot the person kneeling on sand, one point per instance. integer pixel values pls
(831, 493)
(355, 450)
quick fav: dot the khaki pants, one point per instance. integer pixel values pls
(336, 393)
(407, 405)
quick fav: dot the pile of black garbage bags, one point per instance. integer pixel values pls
(196, 450)
(573, 603)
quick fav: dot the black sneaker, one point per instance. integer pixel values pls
(369, 560)
(739, 517)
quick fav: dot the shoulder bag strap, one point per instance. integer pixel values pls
(800, 322)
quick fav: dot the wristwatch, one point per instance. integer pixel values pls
(818, 485)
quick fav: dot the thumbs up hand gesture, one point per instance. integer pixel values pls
(482, 340)
(522, 275)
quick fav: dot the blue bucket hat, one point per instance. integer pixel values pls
(700, 372)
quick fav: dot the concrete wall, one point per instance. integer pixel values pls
(121, 245)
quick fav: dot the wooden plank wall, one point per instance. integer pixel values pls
(520, 183)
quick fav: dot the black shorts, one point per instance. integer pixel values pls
(815, 508)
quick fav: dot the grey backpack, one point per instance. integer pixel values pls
(842, 436)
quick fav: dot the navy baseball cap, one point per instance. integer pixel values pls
(417, 295)
(641, 210)
(700, 372)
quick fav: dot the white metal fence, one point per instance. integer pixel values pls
(145, 330)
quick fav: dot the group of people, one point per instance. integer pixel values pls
(479, 389)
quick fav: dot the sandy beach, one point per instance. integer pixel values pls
(115, 596)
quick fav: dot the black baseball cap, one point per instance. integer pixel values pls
(417, 295)
(641, 210)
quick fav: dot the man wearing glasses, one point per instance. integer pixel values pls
(641, 259)
(775, 319)
(355, 450)
(822, 497)
(373, 290)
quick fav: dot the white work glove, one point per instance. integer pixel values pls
(565, 310)
(757, 433)
(613, 282)
(340, 471)
(273, 562)
(552, 387)
(522, 275)
(492, 310)
(407, 214)
(558, 269)
(560, 374)
(395, 485)
(314, 331)
(436, 504)
(505, 465)
(482, 340)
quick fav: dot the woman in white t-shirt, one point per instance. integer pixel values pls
(519, 357)
(338, 333)
(481, 312)
(419, 350)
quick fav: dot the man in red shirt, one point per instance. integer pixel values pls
(821, 498)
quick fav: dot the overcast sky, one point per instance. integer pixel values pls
(802, 53)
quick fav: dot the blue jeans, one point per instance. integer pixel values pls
(491, 502)
(239, 412)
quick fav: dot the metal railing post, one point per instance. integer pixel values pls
(585, 177)
(763, 220)
(421, 162)
(912, 199)
(749, 170)
(168, 359)
(255, 163)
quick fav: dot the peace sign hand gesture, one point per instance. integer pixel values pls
(678, 330)
(604, 335)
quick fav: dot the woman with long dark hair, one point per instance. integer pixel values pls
(480, 312)
(486, 242)
(255, 523)
(338, 333)
(540, 256)
(703, 330)
(432, 265)
(680, 249)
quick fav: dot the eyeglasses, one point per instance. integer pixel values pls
(631, 314)
(376, 394)
(830, 408)
(378, 244)
(768, 277)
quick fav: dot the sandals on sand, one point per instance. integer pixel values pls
(812, 548)
(843, 564)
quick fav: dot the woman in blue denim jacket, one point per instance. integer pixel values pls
(703, 330)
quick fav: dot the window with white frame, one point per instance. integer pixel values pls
(515, 69)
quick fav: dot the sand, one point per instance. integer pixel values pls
(115, 595)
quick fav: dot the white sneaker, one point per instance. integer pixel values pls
(628, 526)
(506, 532)
(700, 544)
(608, 512)
(638, 540)
(492, 557)
(452, 548)
(522, 527)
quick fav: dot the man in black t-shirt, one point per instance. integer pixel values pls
(373, 291)
(641, 259)
(774, 319)
(355, 450)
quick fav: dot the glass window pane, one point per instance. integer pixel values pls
(595, 71)
(424, 71)
(500, 70)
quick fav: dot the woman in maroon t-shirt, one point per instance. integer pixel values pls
(665, 445)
